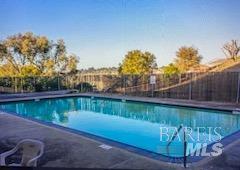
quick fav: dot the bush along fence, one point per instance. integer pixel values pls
(40, 84)
(212, 86)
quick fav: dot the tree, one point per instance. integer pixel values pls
(26, 49)
(187, 58)
(138, 62)
(170, 69)
(231, 49)
(29, 54)
(8, 61)
(7, 70)
(72, 64)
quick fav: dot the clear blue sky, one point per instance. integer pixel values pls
(100, 32)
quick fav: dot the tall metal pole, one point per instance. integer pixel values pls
(185, 149)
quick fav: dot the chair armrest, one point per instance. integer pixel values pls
(2, 161)
(33, 161)
(6, 154)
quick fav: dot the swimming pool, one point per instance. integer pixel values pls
(136, 124)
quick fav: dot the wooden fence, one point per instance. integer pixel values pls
(212, 86)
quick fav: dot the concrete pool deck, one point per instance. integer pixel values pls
(66, 149)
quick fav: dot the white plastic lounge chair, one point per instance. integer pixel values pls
(32, 150)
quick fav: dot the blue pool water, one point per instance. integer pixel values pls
(133, 123)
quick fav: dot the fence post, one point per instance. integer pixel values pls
(58, 83)
(34, 79)
(2, 86)
(190, 88)
(12, 85)
(15, 84)
(124, 85)
(21, 85)
(152, 90)
(238, 88)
